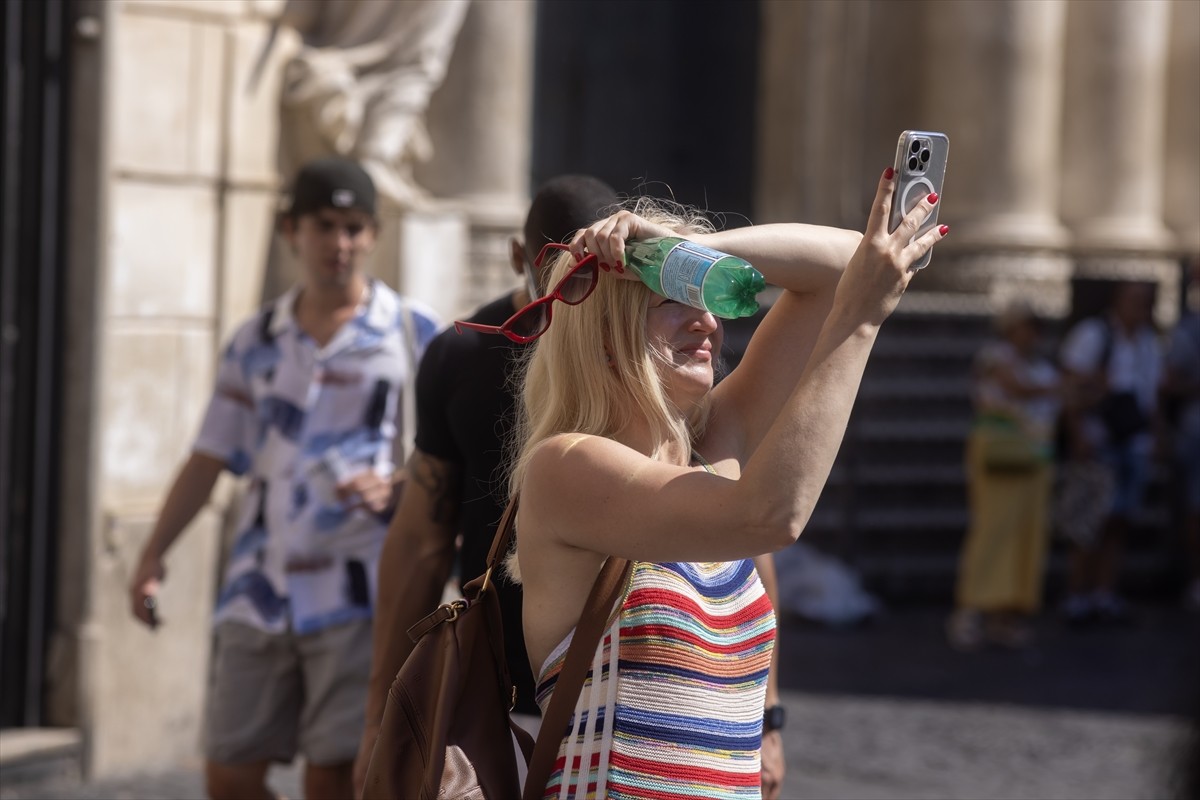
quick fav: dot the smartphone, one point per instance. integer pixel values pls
(358, 589)
(920, 169)
(150, 602)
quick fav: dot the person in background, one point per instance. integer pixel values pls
(1009, 459)
(627, 449)
(1113, 365)
(455, 495)
(1181, 394)
(305, 406)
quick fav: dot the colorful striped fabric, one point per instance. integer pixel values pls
(691, 644)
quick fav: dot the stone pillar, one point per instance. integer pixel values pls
(1114, 134)
(480, 123)
(812, 111)
(1114, 128)
(1181, 204)
(993, 81)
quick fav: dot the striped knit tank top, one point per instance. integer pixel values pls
(672, 704)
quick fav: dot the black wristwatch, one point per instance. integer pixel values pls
(774, 718)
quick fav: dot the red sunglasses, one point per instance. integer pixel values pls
(573, 289)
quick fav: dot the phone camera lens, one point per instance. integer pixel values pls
(912, 163)
(924, 156)
(916, 145)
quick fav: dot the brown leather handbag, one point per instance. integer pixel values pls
(446, 731)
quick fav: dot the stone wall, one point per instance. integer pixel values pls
(171, 244)
(174, 188)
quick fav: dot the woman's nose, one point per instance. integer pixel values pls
(704, 321)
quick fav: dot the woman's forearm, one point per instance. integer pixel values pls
(799, 258)
(789, 468)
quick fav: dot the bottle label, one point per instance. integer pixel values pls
(684, 270)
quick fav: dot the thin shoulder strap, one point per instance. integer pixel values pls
(408, 392)
(608, 588)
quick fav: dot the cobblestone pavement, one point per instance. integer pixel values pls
(890, 712)
(855, 748)
(183, 783)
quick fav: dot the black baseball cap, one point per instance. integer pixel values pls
(332, 183)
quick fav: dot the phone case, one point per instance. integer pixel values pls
(920, 169)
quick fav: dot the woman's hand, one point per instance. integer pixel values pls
(606, 239)
(878, 273)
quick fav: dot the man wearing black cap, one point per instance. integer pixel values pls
(306, 406)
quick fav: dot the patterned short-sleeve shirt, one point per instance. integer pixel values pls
(297, 419)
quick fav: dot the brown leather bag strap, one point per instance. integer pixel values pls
(502, 541)
(608, 588)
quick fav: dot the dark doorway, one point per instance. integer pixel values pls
(33, 103)
(657, 97)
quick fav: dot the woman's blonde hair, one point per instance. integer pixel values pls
(594, 370)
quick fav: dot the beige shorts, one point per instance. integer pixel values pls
(273, 695)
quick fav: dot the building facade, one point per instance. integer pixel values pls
(1075, 158)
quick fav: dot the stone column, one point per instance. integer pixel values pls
(1181, 205)
(1114, 134)
(814, 101)
(992, 79)
(1114, 128)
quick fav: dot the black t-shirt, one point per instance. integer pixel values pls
(465, 409)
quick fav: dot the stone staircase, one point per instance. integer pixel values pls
(895, 507)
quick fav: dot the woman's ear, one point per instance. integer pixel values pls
(285, 226)
(516, 255)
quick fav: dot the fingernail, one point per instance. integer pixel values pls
(944, 229)
(888, 174)
(604, 266)
(620, 270)
(932, 198)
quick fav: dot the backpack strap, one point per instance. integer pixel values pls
(408, 391)
(264, 324)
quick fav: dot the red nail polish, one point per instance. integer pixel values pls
(944, 229)
(620, 270)
(888, 174)
(932, 198)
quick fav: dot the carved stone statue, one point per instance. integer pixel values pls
(360, 85)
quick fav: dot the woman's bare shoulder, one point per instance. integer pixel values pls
(563, 454)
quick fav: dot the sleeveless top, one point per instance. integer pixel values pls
(672, 705)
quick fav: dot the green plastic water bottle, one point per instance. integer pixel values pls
(696, 275)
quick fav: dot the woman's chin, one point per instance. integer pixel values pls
(695, 378)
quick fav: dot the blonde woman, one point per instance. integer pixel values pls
(627, 449)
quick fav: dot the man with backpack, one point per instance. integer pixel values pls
(1113, 363)
(306, 406)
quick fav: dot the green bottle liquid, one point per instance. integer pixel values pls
(696, 275)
